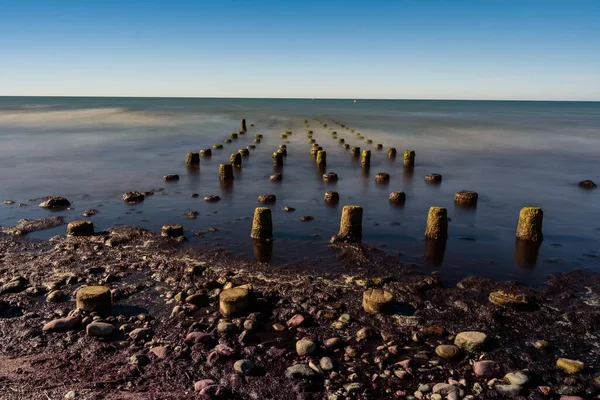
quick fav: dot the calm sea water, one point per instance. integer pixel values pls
(92, 150)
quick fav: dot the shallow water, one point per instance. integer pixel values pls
(92, 150)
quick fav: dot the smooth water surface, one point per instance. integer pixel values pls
(92, 150)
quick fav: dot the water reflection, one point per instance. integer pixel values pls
(263, 250)
(526, 253)
(434, 252)
(193, 172)
(409, 172)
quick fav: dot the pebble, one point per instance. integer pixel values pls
(345, 318)
(295, 321)
(56, 296)
(326, 363)
(570, 366)
(139, 359)
(509, 390)
(436, 396)
(305, 347)
(332, 342)
(444, 389)
(226, 327)
(362, 334)
(202, 384)
(62, 325)
(99, 329)
(486, 368)
(424, 388)
(517, 378)
(141, 334)
(71, 395)
(299, 371)
(470, 341)
(352, 387)
(447, 351)
(160, 351)
(541, 344)
(243, 367)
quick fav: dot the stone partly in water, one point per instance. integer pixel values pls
(447, 351)
(570, 366)
(171, 178)
(267, 198)
(236, 160)
(392, 152)
(278, 159)
(234, 302)
(437, 224)
(587, 184)
(89, 212)
(94, 299)
(466, 198)
(377, 301)
(262, 224)
(530, 224)
(56, 202)
(217, 146)
(355, 152)
(398, 198)
(80, 228)
(212, 198)
(350, 225)
(330, 177)
(433, 178)
(332, 197)
(208, 152)
(172, 231)
(470, 341)
(133, 197)
(409, 158)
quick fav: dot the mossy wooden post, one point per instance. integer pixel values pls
(172, 230)
(350, 225)
(234, 302)
(278, 159)
(192, 159)
(315, 149)
(236, 160)
(355, 152)
(225, 172)
(366, 158)
(398, 198)
(437, 224)
(409, 158)
(321, 158)
(94, 299)
(262, 225)
(392, 152)
(530, 224)
(466, 198)
(243, 125)
(377, 301)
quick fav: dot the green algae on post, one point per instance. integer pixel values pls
(355, 151)
(366, 158)
(236, 160)
(530, 224)
(350, 225)
(192, 159)
(278, 159)
(262, 225)
(225, 172)
(409, 158)
(437, 224)
(321, 158)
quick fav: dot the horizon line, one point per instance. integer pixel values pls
(297, 98)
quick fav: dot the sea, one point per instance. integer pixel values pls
(512, 153)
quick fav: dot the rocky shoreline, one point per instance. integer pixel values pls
(303, 336)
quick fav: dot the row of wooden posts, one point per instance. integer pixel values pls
(529, 227)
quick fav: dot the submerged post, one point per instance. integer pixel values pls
(530, 224)
(350, 225)
(278, 159)
(262, 225)
(437, 224)
(366, 158)
(355, 151)
(243, 125)
(409, 158)
(321, 158)
(225, 172)
(236, 160)
(392, 152)
(192, 159)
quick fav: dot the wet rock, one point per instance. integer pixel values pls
(212, 198)
(243, 367)
(171, 178)
(466, 198)
(217, 146)
(300, 371)
(139, 360)
(486, 369)
(8, 202)
(516, 378)
(26, 226)
(570, 366)
(267, 198)
(332, 197)
(288, 209)
(56, 202)
(382, 177)
(277, 177)
(305, 347)
(244, 152)
(397, 198)
(447, 351)
(99, 329)
(62, 325)
(80, 228)
(470, 341)
(15, 285)
(133, 197)
(433, 178)
(306, 218)
(192, 214)
(172, 231)
(587, 184)
(89, 212)
(56, 296)
(295, 321)
(330, 177)
(141, 334)
(234, 302)
(208, 152)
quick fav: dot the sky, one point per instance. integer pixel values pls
(396, 49)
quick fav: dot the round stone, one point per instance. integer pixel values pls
(326, 364)
(516, 378)
(470, 341)
(447, 351)
(305, 347)
(243, 367)
(100, 329)
(300, 371)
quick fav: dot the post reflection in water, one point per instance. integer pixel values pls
(434, 252)
(193, 172)
(409, 172)
(526, 253)
(263, 250)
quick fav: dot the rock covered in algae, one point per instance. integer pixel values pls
(350, 225)
(56, 202)
(94, 299)
(234, 302)
(80, 228)
(377, 301)
(133, 197)
(530, 224)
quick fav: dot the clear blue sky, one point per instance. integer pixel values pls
(483, 49)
